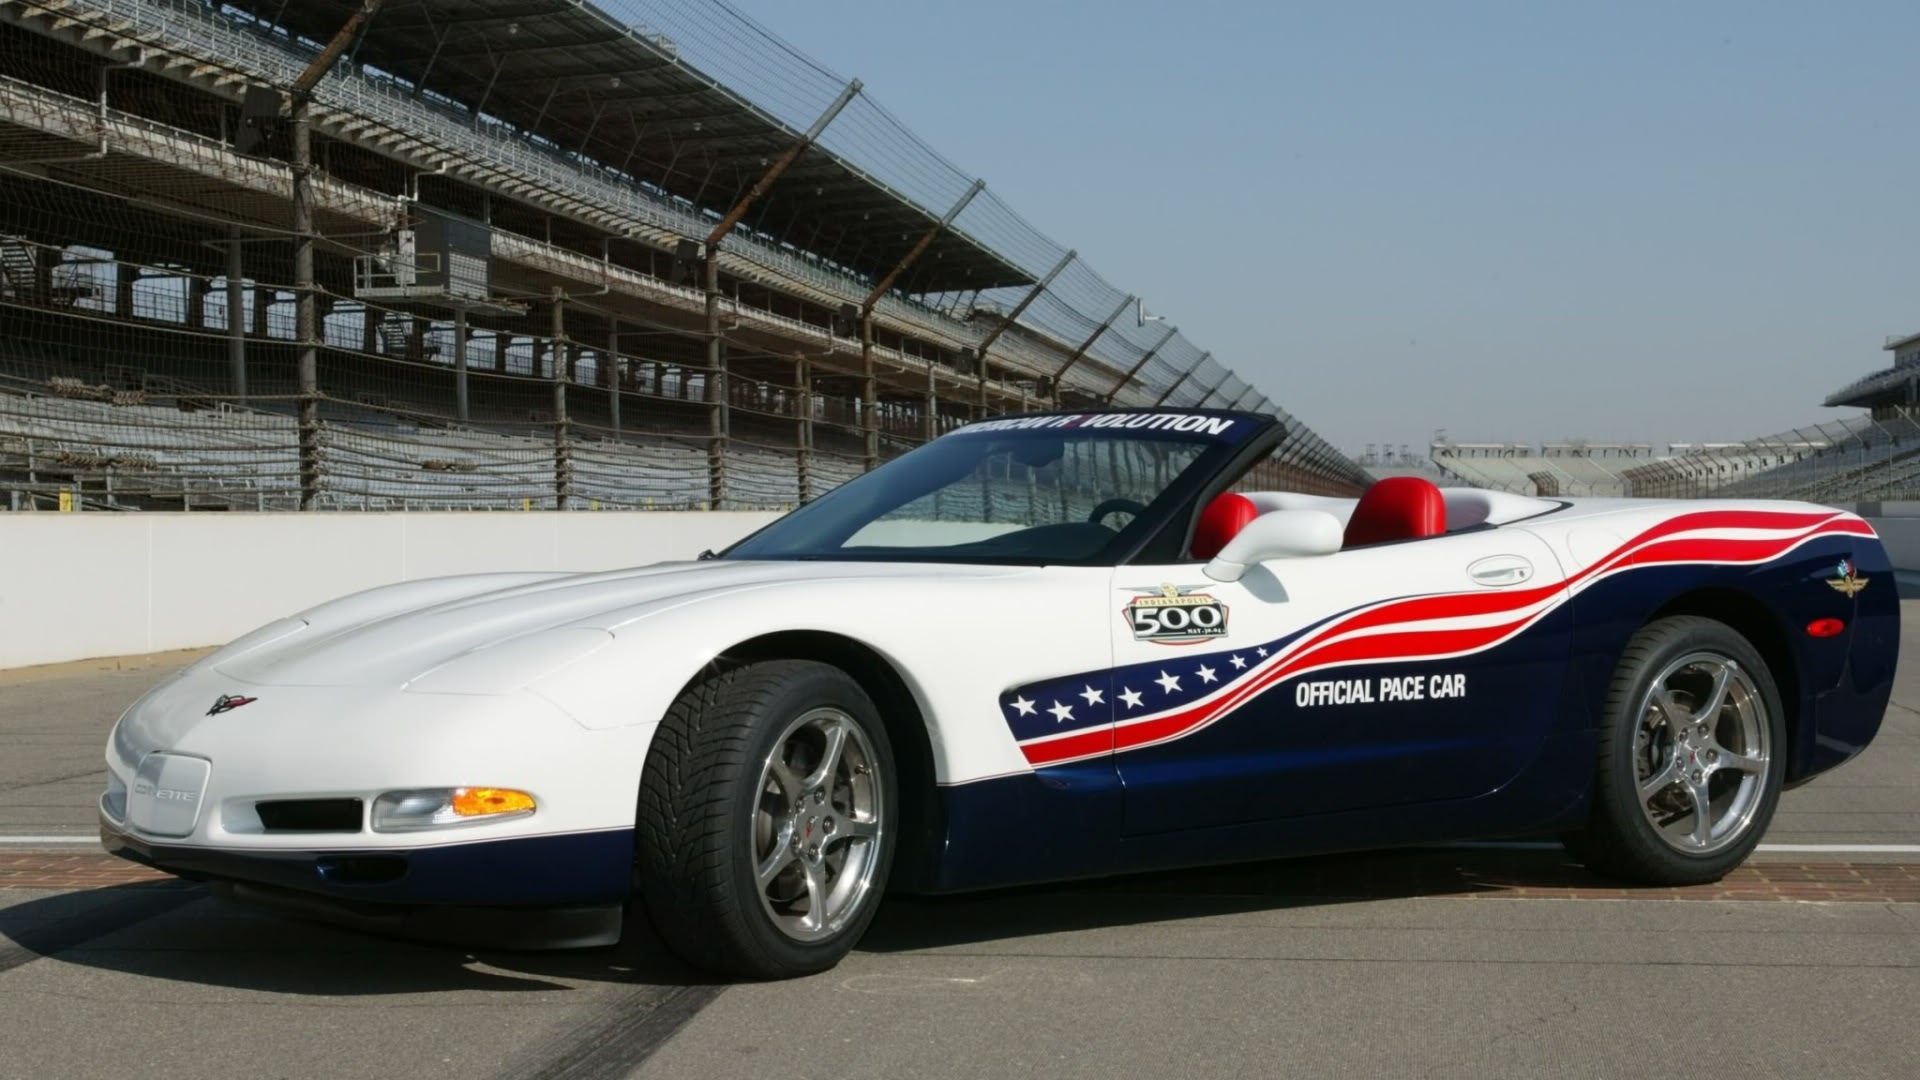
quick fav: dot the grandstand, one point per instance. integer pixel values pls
(1563, 468)
(1870, 457)
(499, 254)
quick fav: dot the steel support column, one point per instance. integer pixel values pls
(305, 308)
(562, 438)
(1019, 309)
(460, 363)
(870, 392)
(1172, 331)
(307, 356)
(1211, 390)
(803, 429)
(1059, 377)
(931, 427)
(780, 165)
(869, 395)
(236, 315)
(612, 374)
(1162, 399)
(717, 419)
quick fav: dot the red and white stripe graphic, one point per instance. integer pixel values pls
(1448, 625)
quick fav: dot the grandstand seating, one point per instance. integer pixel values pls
(136, 456)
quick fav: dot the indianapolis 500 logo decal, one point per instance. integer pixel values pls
(1175, 615)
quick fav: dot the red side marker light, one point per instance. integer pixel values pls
(1824, 628)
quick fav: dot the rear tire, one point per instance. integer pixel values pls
(1692, 756)
(765, 825)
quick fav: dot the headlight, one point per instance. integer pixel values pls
(434, 808)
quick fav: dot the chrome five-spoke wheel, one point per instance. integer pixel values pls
(1700, 752)
(817, 832)
(1690, 756)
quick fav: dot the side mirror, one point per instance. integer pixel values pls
(1278, 534)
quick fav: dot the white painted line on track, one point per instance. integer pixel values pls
(1781, 849)
(1846, 849)
(1470, 845)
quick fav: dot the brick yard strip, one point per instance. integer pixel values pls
(1496, 874)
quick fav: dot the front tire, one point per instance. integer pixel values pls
(1691, 760)
(766, 820)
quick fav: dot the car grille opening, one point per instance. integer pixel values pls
(311, 815)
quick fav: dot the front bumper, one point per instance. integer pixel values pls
(556, 891)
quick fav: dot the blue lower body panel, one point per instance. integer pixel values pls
(528, 892)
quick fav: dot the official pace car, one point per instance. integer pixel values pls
(1041, 647)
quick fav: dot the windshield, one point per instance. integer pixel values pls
(1033, 489)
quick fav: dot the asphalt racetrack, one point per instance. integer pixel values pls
(1472, 962)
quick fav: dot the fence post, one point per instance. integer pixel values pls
(562, 441)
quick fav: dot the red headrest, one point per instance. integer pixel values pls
(1397, 508)
(1221, 521)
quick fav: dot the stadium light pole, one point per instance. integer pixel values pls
(1059, 377)
(1162, 399)
(1172, 331)
(1010, 317)
(870, 387)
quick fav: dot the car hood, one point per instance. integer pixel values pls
(343, 645)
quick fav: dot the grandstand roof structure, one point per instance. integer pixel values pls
(621, 94)
(1897, 386)
(691, 235)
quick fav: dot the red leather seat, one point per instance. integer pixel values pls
(1223, 518)
(1397, 508)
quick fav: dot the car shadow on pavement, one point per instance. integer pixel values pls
(910, 923)
(178, 931)
(183, 932)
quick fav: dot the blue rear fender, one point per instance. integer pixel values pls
(1834, 689)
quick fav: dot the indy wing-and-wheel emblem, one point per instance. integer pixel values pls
(1849, 582)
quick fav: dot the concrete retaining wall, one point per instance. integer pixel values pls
(74, 586)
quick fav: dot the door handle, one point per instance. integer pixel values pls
(1497, 571)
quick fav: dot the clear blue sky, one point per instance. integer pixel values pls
(1660, 221)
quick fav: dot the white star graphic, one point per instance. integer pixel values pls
(1024, 706)
(1238, 661)
(1061, 713)
(1131, 696)
(1092, 696)
(1262, 651)
(1206, 674)
(1168, 682)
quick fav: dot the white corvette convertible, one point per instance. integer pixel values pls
(1038, 648)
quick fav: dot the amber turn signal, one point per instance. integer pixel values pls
(483, 801)
(1825, 628)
